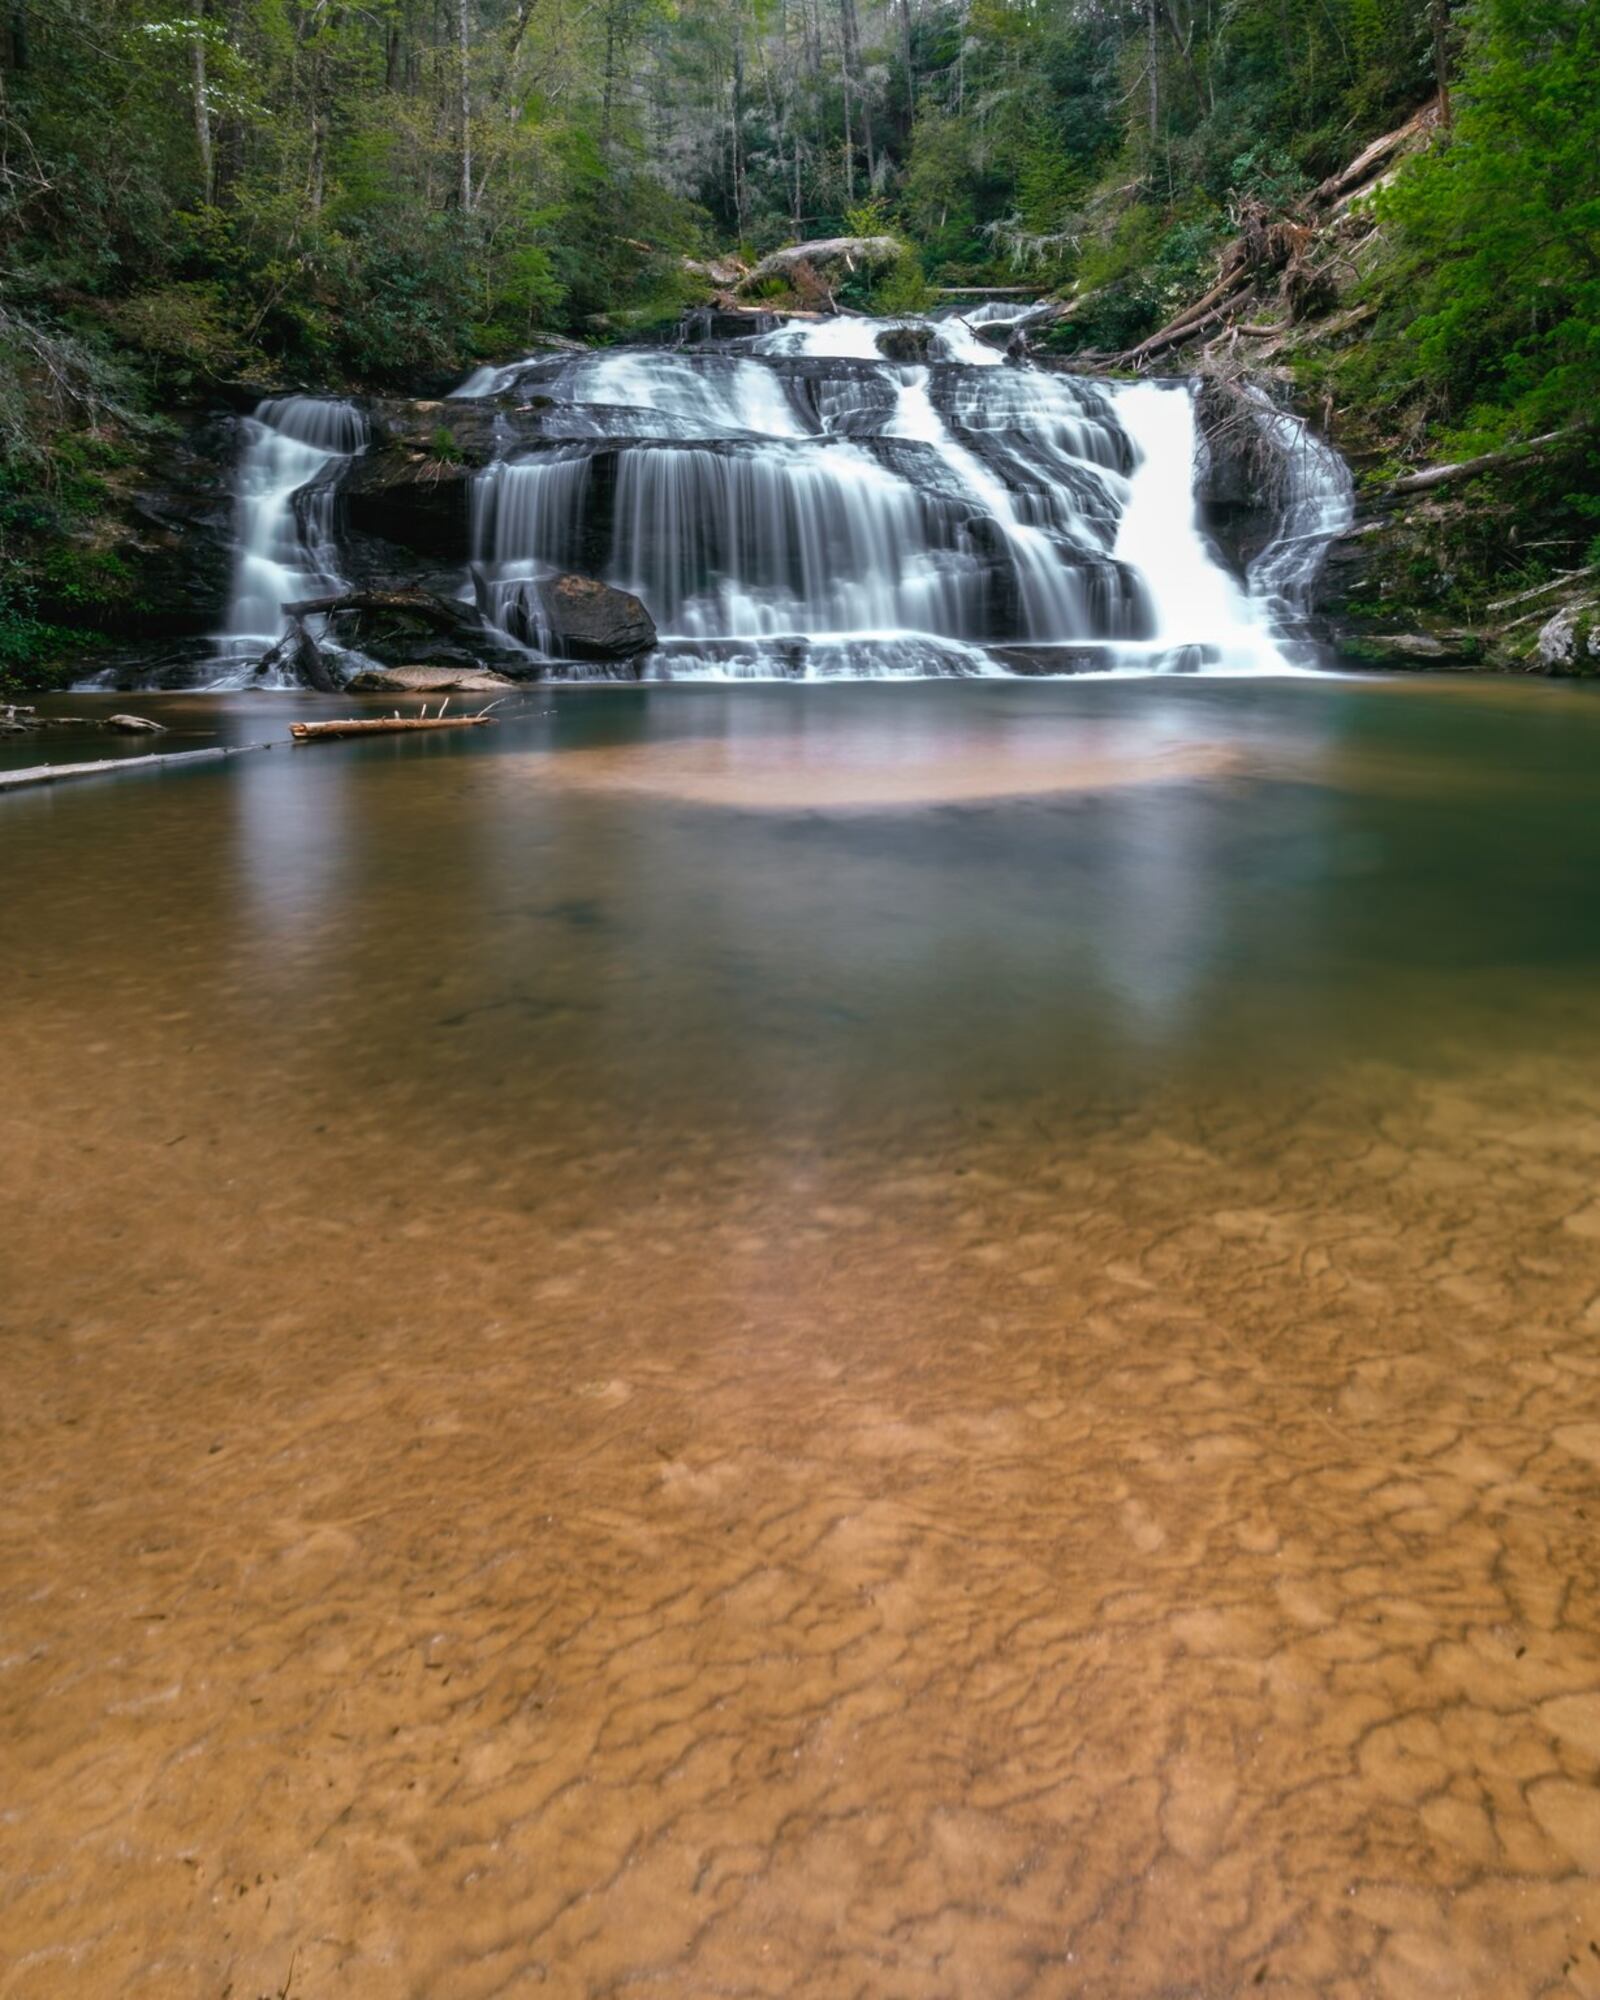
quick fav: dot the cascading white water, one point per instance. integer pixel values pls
(807, 501)
(1198, 606)
(800, 501)
(284, 510)
(1316, 504)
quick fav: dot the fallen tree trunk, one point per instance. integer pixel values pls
(298, 653)
(384, 725)
(1173, 336)
(1512, 454)
(1201, 314)
(990, 291)
(115, 767)
(823, 253)
(1544, 589)
(435, 611)
(1366, 163)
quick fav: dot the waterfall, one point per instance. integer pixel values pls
(1203, 619)
(803, 501)
(295, 447)
(828, 497)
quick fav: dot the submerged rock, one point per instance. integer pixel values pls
(595, 621)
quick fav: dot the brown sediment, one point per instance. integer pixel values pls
(471, 1525)
(780, 774)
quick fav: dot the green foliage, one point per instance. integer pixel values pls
(1500, 226)
(905, 288)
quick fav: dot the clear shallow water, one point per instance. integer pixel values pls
(924, 888)
(934, 1339)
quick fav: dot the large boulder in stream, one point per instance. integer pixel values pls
(595, 621)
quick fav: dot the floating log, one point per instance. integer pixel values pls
(115, 767)
(384, 725)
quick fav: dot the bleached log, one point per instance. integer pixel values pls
(1490, 461)
(116, 767)
(384, 725)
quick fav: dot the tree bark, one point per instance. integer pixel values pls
(1439, 22)
(385, 725)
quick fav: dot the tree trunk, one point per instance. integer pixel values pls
(464, 109)
(1552, 443)
(1439, 21)
(1152, 30)
(202, 111)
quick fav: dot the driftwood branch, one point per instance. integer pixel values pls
(1548, 446)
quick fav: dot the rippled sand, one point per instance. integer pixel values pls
(472, 1526)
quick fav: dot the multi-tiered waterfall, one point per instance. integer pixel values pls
(836, 497)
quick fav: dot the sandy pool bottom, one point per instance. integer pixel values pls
(1097, 1551)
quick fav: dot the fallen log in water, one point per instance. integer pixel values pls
(384, 725)
(114, 767)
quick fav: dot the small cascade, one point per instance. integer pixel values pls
(1315, 505)
(288, 474)
(1203, 618)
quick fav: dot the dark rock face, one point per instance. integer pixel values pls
(911, 344)
(179, 546)
(411, 501)
(593, 621)
(1235, 508)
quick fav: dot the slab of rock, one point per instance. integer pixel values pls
(594, 621)
(426, 680)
